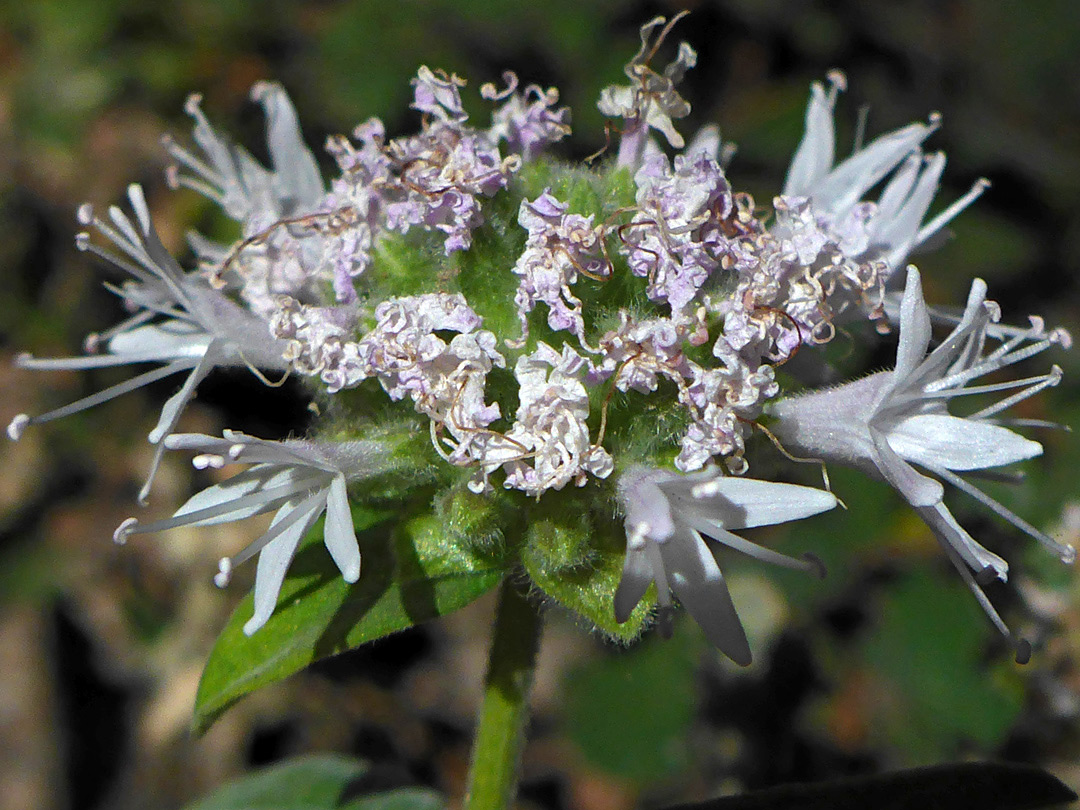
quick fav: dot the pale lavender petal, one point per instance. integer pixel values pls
(914, 328)
(697, 581)
(277, 555)
(814, 155)
(916, 489)
(637, 576)
(245, 495)
(297, 175)
(339, 533)
(958, 444)
(948, 531)
(736, 503)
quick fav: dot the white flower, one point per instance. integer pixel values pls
(299, 479)
(180, 323)
(666, 514)
(550, 427)
(891, 228)
(246, 191)
(650, 100)
(271, 260)
(891, 422)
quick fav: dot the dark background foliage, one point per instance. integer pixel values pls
(886, 664)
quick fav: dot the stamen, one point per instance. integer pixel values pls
(809, 563)
(187, 159)
(989, 388)
(984, 602)
(109, 393)
(224, 574)
(1066, 552)
(263, 500)
(1017, 421)
(308, 508)
(83, 243)
(999, 358)
(1047, 381)
(17, 426)
(125, 530)
(943, 219)
(28, 361)
(208, 191)
(92, 342)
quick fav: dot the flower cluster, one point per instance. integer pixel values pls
(540, 325)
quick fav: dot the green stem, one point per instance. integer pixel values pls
(500, 732)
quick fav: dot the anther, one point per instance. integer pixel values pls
(816, 563)
(17, 425)
(208, 460)
(125, 530)
(191, 106)
(1023, 651)
(224, 574)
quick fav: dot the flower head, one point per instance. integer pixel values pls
(894, 423)
(666, 515)
(299, 479)
(559, 248)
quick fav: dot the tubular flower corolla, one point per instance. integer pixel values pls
(666, 515)
(179, 322)
(894, 423)
(297, 480)
(891, 228)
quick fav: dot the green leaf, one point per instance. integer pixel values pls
(630, 712)
(306, 783)
(400, 799)
(929, 650)
(315, 782)
(409, 576)
(575, 555)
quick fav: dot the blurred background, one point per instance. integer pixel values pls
(888, 663)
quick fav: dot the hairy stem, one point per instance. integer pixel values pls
(500, 737)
